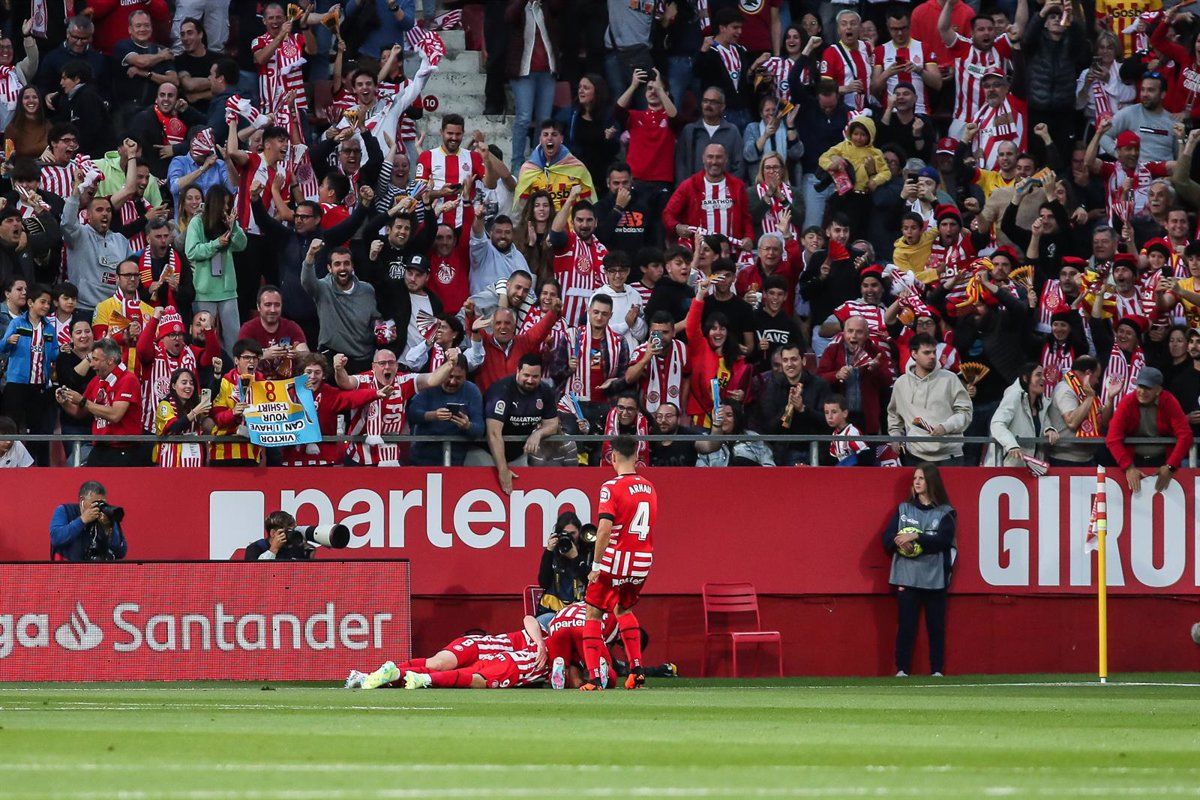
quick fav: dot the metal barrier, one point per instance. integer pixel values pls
(814, 442)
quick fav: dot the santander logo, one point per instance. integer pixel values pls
(78, 632)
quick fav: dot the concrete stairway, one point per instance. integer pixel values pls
(458, 87)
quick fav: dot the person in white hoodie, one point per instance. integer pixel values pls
(627, 318)
(1023, 413)
(929, 401)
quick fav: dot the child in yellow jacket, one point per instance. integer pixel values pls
(912, 249)
(858, 150)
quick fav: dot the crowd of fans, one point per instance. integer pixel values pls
(755, 217)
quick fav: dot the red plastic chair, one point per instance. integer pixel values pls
(533, 599)
(731, 613)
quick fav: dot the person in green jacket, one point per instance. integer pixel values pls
(209, 246)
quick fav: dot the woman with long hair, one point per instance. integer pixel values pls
(920, 540)
(773, 133)
(29, 127)
(1023, 413)
(713, 355)
(532, 235)
(749, 452)
(771, 193)
(191, 203)
(210, 245)
(182, 413)
(592, 133)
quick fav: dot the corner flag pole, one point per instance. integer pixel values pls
(1102, 569)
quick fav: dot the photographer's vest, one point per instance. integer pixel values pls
(928, 570)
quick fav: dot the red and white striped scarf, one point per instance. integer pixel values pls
(282, 72)
(702, 18)
(1050, 303)
(426, 41)
(1122, 370)
(663, 385)
(1056, 361)
(587, 348)
(770, 222)
(157, 387)
(63, 333)
(131, 211)
(174, 130)
(131, 307)
(146, 271)
(731, 57)
(383, 417)
(10, 86)
(612, 428)
(449, 21)
(1102, 102)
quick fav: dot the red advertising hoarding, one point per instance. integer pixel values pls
(202, 621)
(791, 531)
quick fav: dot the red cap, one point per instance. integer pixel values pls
(1128, 139)
(1135, 321)
(1010, 253)
(1161, 245)
(1073, 261)
(947, 210)
(947, 146)
(871, 271)
(1125, 260)
(994, 73)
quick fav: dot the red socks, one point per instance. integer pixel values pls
(412, 665)
(453, 679)
(631, 637)
(593, 648)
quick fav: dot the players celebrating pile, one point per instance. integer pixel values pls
(580, 632)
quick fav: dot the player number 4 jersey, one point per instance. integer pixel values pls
(631, 503)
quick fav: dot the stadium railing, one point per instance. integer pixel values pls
(815, 443)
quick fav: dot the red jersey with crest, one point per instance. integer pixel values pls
(631, 503)
(512, 669)
(564, 634)
(383, 417)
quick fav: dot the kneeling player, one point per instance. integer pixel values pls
(462, 652)
(628, 508)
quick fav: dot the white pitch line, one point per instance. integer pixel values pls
(106, 766)
(82, 705)
(604, 792)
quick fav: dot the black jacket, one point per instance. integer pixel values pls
(627, 229)
(390, 292)
(148, 132)
(670, 296)
(86, 110)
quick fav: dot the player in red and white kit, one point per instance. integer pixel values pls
(454, 662)
(625, 548)
(564, 643)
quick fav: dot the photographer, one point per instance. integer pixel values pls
(89, 530)
(277, 544)
(566, 563)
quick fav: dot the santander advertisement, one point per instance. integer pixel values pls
(239, 621)
(790, 531)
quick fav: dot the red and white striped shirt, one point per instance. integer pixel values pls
(970, 65)
(873, 314)
(579, 268)
(845, 64)
(37, 353)
(441, 169)
(631, 504)
(890, 53)
(383, 417)
(1006, 122)
(158, 385)
(717, 205)
(57, 180)
(1057, 358)
(281, 73)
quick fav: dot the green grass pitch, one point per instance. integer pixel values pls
(969, 737)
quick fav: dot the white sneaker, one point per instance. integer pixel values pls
(901, 674)
(938, 675)
(355, 679)
(385, 674)
(417, 680)
(558, 674)
(603, 673)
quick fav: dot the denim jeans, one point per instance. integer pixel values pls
(533, 95)
(680, 77)
(814, 201)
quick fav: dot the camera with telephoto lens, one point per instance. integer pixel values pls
(563, 544)
(310, 537)
(114, 513)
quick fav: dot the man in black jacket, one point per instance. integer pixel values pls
(1052, 230)
(672, 294)
(162, 129)
(793, 404)
(405, 238)
(79, 104)
(14, 260)
(625, 218)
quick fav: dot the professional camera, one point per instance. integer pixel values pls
(563, 543)
(114, 513)
(310, 536)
